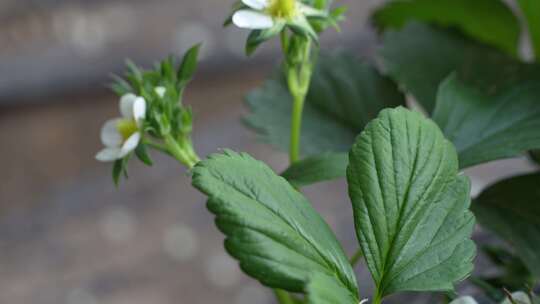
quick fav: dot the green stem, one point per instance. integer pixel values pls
(296, 128)
(283, 297)
(298, 79)
(356, 257)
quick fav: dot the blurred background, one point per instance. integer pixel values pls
(67, 235)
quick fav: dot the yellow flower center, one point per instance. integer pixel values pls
(282, 8)
(126, 128)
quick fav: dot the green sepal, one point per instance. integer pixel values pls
(257, 37)
(142, 154)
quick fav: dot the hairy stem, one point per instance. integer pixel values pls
(299, 73)
(296, 128)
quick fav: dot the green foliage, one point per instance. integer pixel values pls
(489, 21)
(420, 57)
(410, 205)
(511, 209)
(531, 10)
(484, 127)
(271, 228)
(317, 168)
(345, 95)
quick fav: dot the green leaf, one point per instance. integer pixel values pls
(488, 21)
(271, 228)
(322, 289)
(511, 209)
(485, 128)
(318, 168)
(420, 57)
(410, 205)
(531, 10)
(345, 95)
(189, 64)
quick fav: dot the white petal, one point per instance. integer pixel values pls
(110, 137)
(131, 143)
(139, 109)
(252, 20)
(364, 301)
(126, 105)
(109, 154)
(160, 91)
(257, 4)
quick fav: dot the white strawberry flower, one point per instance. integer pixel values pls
(122, 135)
(265, 14)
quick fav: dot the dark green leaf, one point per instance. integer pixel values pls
(420, 57)
(189, 64)
(485, 128)
(488, 21)
(344, 96)
(143, 156)
(410, 205)
(531, 10)
(271, 228)
(511, 209)
(323, 289)
(317, 168)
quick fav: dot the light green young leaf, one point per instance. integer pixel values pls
(531, 10)
(323, 289)
(410, 205)
(271, 228)
(485, 128)
(420, 57)
(511, 209)
(317, 168)
(345, 95)
(488, 21)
